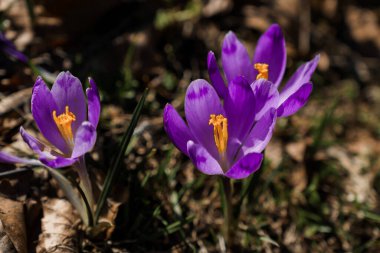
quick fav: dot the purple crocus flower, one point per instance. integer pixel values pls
(69, 124)
(224, 138)
(9, 48)
(64, 119)
(269, 62)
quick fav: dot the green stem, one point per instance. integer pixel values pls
(89, 209)
(85, 183)
(227, 188)
(35, 69)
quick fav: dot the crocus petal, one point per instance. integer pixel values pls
(13, 52)
(240, 108)
(93, 103)
(43, 105)
(9, 48)
(299, 78)
(85, 139)
(245, 166)
(260, 134)
(203, 160)
(271, 50)
(265, 96)
(58, 162)
(67, 90)
(176, 128)
(45, 157)
(297, 100)
(8, 158)
(200, 102)
(215, 76)
(235, 59)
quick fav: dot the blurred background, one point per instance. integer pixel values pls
(320, 186)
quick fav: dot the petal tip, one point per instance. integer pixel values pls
(197, 89)
(230, 34)
(211, 60)
(167, 109)
(39, 81)
(316, 58)
(275, 31)
(22, 129)
(229, 43)
(91, 82)
(93, 86)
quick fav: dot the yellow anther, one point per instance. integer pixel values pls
(263, 70)
(220, 131)
(63, 123)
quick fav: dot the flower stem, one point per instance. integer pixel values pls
(90, 215)
(85, 183)
(226, 185)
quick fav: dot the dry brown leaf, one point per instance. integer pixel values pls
(13, 224)
(359, 183)
(17, 12)
(70, 13)
(113, 208)
(214, 7)
(6, 244)
(363, 24)
(106, 225)
(274, 153)
(58, 231)
(298, 179)
(14, 100)
(296, 150)
(256, 18)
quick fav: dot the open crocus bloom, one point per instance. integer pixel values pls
(9, 48)
(269, 62)
(64, 118)
(225, 138)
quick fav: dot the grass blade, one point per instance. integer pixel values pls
(113, 172)
(13, 172)
(30, 7)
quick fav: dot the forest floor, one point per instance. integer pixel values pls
(319, 188)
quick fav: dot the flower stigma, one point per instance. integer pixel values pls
(63, 123)
(220, 132)
(262, 68)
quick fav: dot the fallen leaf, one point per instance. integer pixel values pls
(14, 100)
(296, 150)
(13, 224)
(6, 244)
(58, 227)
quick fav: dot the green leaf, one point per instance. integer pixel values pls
(372, 216)
(113, 172)
(269, 240)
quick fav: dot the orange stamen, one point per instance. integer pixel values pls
(220, 131)
(263, 70)
(63, 123)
